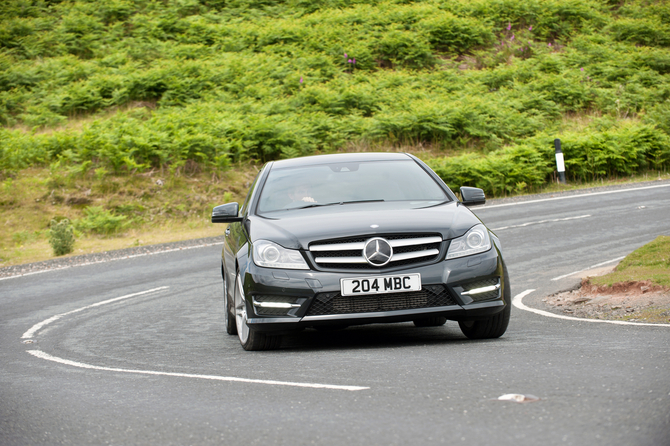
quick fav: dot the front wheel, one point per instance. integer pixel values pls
(250, 339)
(496, 325)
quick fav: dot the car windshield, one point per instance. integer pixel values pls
(346, 183)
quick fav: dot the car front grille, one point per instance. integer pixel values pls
(347, 254)
(334, 303)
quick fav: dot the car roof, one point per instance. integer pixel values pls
(340, 158)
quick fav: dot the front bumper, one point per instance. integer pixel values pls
(286, 300)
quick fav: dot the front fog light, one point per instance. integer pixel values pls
(474, 241)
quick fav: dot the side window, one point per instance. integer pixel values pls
(247, 201)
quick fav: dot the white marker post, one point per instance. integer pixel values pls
(560, 163)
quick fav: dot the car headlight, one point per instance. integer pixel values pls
(271, 255)
(474, 241)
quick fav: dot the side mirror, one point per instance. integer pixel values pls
(471, 196)
(226, 213)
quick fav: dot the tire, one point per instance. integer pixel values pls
(228, 316)
(496, 325)
(251, 340)
(433, 321)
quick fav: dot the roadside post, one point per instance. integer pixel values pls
(560, 163)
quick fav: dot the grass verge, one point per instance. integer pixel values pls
(133, 210)
(650, 262)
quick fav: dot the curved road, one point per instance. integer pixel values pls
(134, 352)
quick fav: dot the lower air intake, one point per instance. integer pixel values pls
(335, 303)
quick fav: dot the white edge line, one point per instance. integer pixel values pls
(480, 208)
(590, 267)
(42, 355)
(518, 302)
(110, 260)
(31, 332)
(555, 220)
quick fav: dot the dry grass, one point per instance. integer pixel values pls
(159, 207)
(577, 185)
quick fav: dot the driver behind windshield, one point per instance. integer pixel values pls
(301, 193)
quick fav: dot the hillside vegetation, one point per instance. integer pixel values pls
(92, 92)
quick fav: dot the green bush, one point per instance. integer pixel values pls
(100, 221)
(61, 237)
(502, 172)
(456, 35)
(404, 48)
(551, 19)
(130, 86)
(615, 151)
(642, 32)
(619, 151)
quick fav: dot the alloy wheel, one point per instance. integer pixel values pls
(241, 311)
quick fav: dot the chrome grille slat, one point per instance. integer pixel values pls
(338, 247)
(414, 255)
(414, 241)
(360, 259)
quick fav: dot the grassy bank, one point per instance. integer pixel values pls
(111, 212)
(650, 262)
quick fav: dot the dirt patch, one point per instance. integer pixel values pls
(628, 301)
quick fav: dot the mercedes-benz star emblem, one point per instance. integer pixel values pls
(378, 252)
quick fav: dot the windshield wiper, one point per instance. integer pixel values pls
(315, 205)
(362, 201)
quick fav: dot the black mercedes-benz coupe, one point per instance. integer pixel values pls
(336, 240)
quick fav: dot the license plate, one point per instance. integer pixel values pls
(380, 284)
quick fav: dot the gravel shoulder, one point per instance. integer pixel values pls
(639, 301)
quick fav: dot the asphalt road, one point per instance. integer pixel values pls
(85, 359)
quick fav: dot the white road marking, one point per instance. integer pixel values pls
(48, 357)
(518, 302)
(590, 267)
(481, 208)
(30, 333)
(540, 222)
(110, 260)
(40, 354)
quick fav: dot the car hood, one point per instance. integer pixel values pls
(296, 229)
